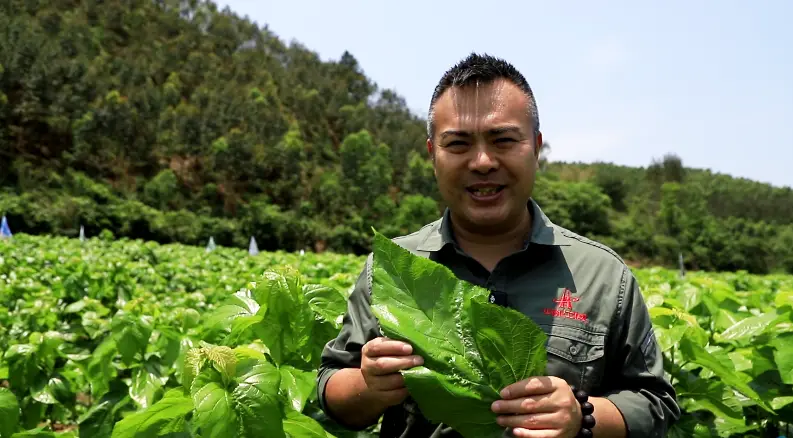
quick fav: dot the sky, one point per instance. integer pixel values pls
(615, 81)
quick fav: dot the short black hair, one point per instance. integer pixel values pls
(481, 69)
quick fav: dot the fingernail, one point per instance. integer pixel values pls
(418, 361)
(505, 393)
(495, 405)
(407, 348)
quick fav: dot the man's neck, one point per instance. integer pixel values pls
(489, 249)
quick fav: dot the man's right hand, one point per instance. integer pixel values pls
(381, 362)
(359, 396)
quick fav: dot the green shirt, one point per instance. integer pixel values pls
(582, 294)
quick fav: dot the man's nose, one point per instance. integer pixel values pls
(483, 160)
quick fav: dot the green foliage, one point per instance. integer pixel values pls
(177, 121)
(9, 413)
(716, 222)
(188, 117)
(469, 345)
(579, 206)
(725, 341)
(102, 337)
(161, 190)
(118, 339)
(365, 168)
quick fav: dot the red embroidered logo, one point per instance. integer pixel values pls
(564, 307)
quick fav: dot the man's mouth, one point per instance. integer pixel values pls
(485, 190)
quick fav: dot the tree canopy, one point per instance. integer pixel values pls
(175, 121)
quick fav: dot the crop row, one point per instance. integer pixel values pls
(116, 338)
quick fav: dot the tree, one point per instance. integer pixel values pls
(545, 150)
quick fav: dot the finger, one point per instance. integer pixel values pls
(388, 365)
(537, 433)
(386, 347)
(530, 421)
(532, 386)
(525, 405)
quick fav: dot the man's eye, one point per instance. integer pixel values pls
(505, 140)
(455, 143)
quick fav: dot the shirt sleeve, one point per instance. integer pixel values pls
(646, 399)
(359, 326)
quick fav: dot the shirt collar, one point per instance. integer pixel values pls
(543, 231)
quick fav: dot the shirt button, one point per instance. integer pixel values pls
(573, 349)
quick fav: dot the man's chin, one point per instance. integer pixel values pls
(498, 217)
(487, 219)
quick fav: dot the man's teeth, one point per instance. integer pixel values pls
(486, 191)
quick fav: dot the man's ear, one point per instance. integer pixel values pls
(430, 149)
(538, 145)
(431, 152)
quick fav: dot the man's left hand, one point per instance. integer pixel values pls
(539, 407)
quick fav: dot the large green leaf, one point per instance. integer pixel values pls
(215, 416)
(692, 297)
(326, 302)
(52, 390)
(710, 395)
(471, 349)
(747, 328)
(9, 413)
(132, 333)
(147, 382)
(783, 356)
(100, 368)
(165, 416)
(41, 432)
(781, 402)
(247, 403)
(297, 425)
(689, 426)
(297, 385)
(726, 428)
(673, 325)
(236, 315)
(99, 420)
(256, 398)
(287, 325)
(22, 365)
(698, 355)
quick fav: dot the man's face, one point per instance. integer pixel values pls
(485, 154)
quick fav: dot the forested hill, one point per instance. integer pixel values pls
(171, 121)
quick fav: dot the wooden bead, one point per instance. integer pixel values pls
(584, 433)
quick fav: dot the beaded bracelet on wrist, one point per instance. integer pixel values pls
(587, 420)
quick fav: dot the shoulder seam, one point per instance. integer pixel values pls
(593, 243)
(623, 289)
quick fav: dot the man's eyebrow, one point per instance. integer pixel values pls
(455, 133)
(509, 129)
(505, 130)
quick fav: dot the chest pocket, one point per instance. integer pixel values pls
(576, 355)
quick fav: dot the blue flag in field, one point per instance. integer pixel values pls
(4, 230)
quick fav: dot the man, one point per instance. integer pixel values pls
(484, 138)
